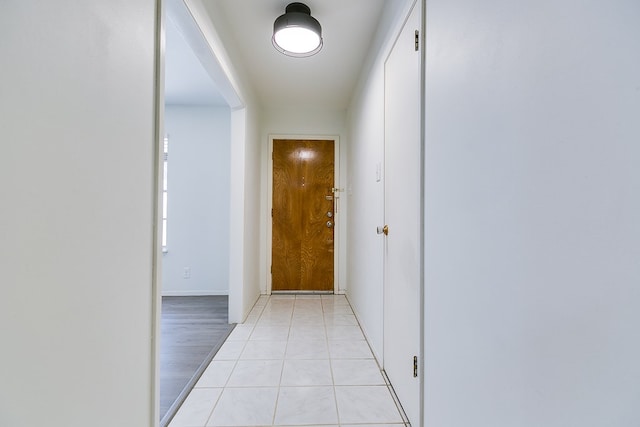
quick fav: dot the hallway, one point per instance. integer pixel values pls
(296, 361)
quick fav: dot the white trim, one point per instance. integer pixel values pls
(193, 293)
(367, 336)
(158, 167)
(337, 288)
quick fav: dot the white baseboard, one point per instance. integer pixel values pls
(364, 331)
(192, 293)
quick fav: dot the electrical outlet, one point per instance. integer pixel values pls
(186, 274)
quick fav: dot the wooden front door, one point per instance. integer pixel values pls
(303, 215)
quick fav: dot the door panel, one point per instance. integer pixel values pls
(403, 259)
(302, 239)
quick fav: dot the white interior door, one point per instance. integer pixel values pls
(403, 202)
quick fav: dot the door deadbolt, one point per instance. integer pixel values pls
(329, 224)
(330, 214)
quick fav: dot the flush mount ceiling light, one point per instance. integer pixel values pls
(297, 33)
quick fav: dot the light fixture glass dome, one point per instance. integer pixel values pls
(297, 33)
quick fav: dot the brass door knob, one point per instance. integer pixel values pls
(383, 230)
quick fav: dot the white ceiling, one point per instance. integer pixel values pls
(323, 81)
(186, 81)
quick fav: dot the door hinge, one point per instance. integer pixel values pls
(415, 366)
(417, 40)
(271, 213)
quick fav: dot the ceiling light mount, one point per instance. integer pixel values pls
(297, 33)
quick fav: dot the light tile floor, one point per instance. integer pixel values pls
(296, 361)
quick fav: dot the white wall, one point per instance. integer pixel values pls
(198, 189)
(245, 210)
(365, 194)
(252, 181)
(302, 123)
(532, 219)
(78, 207)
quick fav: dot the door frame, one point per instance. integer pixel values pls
(338, 208)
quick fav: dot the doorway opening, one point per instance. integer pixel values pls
(194, 302)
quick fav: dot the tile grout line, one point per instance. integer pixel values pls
(235, 364)
(224, 387)
(284, 356)
(333, 380)
(275, 407)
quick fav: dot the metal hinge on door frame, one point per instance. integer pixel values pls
(417, 40)
(415, 366)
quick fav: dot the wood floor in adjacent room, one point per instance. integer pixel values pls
(191, 328)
